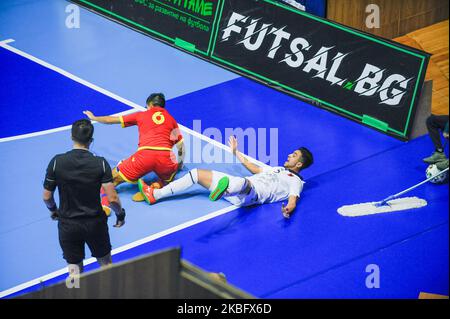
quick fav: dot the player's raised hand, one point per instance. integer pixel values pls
(89, 114)
(232, 142)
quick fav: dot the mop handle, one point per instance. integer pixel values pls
(415, 186)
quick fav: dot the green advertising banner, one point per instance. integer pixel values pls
(188, 24)
(368, 79)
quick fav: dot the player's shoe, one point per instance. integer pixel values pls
(222, 186)
(138, 197)
(435, 158)
(147, 192)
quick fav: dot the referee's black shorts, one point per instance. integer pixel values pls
(75, 233)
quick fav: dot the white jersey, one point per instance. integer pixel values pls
(276, 184)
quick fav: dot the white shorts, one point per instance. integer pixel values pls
(235, 188)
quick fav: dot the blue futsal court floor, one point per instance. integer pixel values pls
(50, 74)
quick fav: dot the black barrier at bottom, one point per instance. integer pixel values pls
(161, 275)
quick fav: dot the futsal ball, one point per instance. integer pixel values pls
(432, 170)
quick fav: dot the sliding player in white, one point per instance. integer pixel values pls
(267, 185)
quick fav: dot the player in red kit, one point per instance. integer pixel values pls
(158, 133)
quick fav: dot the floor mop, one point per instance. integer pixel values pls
(389, 204)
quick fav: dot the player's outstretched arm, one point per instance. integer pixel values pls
(255, 169)
(290, 207)
(102, 119)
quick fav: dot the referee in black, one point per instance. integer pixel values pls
(79, 174)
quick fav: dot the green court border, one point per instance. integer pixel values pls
(343, 28)
(158, 34)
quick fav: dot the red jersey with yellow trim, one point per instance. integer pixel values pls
(158, 130)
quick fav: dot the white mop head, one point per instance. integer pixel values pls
(391, 206)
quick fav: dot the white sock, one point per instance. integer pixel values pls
(177, 186)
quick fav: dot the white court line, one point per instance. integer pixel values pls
(54, 130)
(135, 107)
(6, 41)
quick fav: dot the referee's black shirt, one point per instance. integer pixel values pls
(78, 174)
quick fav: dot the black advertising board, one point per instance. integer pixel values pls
(366, 78)
(360, 76)
(187, 24)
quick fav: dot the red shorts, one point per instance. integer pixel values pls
(162, 163)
